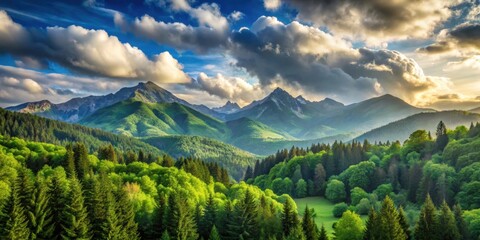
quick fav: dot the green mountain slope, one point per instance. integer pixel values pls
(400, 130)
(34, 128)
(140, 119)
(231, 158)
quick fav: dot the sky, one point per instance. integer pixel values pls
(426, 52)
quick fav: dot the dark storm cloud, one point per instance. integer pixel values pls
(463, 37)
(375, 20)
(309, 58)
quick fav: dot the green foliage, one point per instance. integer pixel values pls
(310, 229)
(390, 225)
(339, 209)
(349, 227)
(446, 225)
(335, 191)
(289, 218)
(425, 228)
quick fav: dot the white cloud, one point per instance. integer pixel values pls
(88, 51)
(236, 15)
(272, 4)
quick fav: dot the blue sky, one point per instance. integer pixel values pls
(427, 53)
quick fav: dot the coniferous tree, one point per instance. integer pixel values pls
(40, 217)
(373, 227)
(25, 188)
(460, 222)
(308, 225)
(442, 137)
(165, 236)
(125, 216)
(214, 234)
(389, 220)
(402, 219)
(75, 218)
(82, 165)
(187, 228)
(13, 220)
(289, 218)
(69, 161)
(228, 229)
(208, 219)
(159, 218)
(323, 234)
(425, 228)
(296, 234)
(446, 225)
(56, 194)
(173, 215)
(245, 218)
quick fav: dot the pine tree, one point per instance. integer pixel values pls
(442, 137)
(372, 229)
(173, 215)
(308, 225)
(425, 228)
(56, 194)
(40, 217)
(13, 221)
(165, 236)
(402, 219)
(296, 234)
(244, 223)
(187, 228)
(110, 226)
(159, 217)
(126, 216)
(75, 219)
(389, 220)
(208, 219)
(460, 222)
(446, 224)
(214, 234)
(82, 165)
(289, 218)
(323, 234)
(69, 161)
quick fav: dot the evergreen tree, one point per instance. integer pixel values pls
(446, 224)
(402, 219)
(25, 186)
(308, 225)
(82, 165)
(460, 222)
(442, 137)
(373, 227)
(13, 221)
(125, 216)
(245, 218)
(389, 221)
(323, 234)
(40, 217)
(56, 194)
(165, 236)
(289, 218)
(159, 218)
(208, 220)
(75, 218)
(181, 223)
(173, 215)
(214, 234)
(296, 234)
(69, 161)
(425, 228)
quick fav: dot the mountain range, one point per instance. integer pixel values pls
(279, 120)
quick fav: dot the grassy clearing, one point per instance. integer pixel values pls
(323, 210)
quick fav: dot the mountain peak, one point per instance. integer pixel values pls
(32, 107)
(229, 107)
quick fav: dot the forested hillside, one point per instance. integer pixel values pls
(52, 192)
(34, 128)
(358, 176)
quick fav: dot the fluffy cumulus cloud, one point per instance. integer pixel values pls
(376, 20)
(302, 56)
(272, 4)
(92, 52)
(20, 85)
(211, 32)
(231, 88)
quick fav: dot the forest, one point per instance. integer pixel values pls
(425, 188)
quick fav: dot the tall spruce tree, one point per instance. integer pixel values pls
(125, 216)
(402, 219)
(208, 219)
(308, 225)
(69, 161)
(75, 218)
(425, 228)
(323, 234)
(13, 220)
(159, 218)
(56, 195)
(446, 224)
(389, 220)
(245, 218)
(214, 234)
(40, 217)
(289, 218)
(373, 226)
(460, 222)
